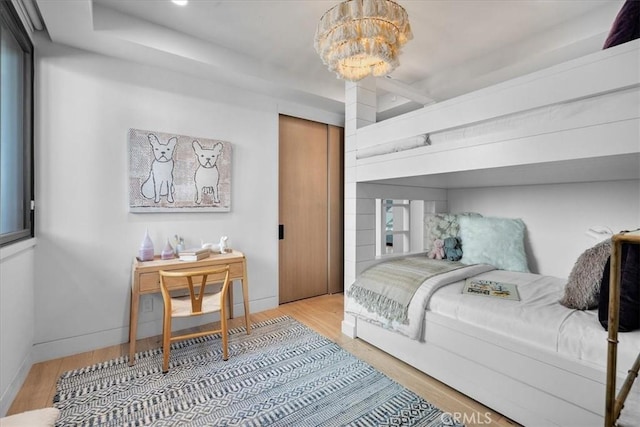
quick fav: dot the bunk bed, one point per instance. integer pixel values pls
(532, 360)
(546, 127)
(556, 120)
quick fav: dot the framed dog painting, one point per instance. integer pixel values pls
(170, 173)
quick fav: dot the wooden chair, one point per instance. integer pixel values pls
(196, 303)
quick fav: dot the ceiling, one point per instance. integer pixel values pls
(266, 46)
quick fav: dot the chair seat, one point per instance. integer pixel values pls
(181, 306)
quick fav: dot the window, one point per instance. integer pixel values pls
(16, 128)
(399, 226)
(394, 226)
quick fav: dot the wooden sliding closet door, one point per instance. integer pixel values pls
(335, 167)
(306, 209)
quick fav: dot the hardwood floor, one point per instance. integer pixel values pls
(323, 314)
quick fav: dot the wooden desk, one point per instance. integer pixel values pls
(145, 279)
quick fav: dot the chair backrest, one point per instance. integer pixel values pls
(197, 292)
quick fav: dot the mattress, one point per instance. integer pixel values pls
(537, 319)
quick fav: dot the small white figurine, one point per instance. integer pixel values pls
(223, 244)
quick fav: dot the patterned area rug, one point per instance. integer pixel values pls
(283, 374)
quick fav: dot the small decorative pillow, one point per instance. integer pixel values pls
(36, 418)
(582, 290)
(629, 306)
(495, 241)
(440, 226)
(626, 26)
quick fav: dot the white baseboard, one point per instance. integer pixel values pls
(14, 387)
(149, 328)
(349, 326)
(79, 344)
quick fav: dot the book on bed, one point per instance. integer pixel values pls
(490, 288)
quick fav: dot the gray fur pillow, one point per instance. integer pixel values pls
(582, 291)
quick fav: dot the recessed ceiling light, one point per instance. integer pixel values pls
(180, 2)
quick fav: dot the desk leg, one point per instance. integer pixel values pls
(230, 292)
(245, 297)
(133, 325)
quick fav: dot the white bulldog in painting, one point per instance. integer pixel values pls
(207, 175)
(160, 181)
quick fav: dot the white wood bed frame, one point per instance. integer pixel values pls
(560, 151)
(531, 386)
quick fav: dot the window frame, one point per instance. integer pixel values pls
(11, 20)
(401, 231)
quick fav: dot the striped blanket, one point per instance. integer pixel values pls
(387, 288)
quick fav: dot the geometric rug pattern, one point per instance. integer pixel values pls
(282, 374)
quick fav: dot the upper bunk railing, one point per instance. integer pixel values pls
(607, 82)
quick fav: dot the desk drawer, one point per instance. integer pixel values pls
(150, 282)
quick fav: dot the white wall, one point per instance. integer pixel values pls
(556, 216)
(16, 318)
(69, 290)
(86, 236)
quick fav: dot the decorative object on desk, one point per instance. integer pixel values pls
(213, 247)
(169, 173)
(333, 387)
(146, 251)
(489, 288)
(179, 245)
(167, 252)
(223, 246)
(194, 254)
(209, 246)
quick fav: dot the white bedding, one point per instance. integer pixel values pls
(537, 319)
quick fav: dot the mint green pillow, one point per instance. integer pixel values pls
(495, 241)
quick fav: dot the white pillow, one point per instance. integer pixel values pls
(441, 226)
(37, 418)
(495, 241)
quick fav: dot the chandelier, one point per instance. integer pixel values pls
(358, 38)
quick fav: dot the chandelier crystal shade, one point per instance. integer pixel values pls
(358, 38)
